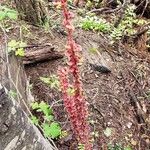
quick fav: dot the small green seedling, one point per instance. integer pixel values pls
(52, 81)
(34, 120)
(93, 50)
(12, 93)
(126, 25)
(50, 127)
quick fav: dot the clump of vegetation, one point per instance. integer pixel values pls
(7, 13)
(96, 24)
(52, 81)
(17, 47)
(126, 25)
(50, 127)
(10, 14)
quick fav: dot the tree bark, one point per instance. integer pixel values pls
(41, 55)
(33, 11)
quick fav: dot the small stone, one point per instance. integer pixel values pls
(133, 142)
(100, 68)
(147, 141)
(129, 124)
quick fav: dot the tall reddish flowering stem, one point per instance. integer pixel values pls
(75, 104)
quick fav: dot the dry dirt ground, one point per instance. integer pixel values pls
(119, 100)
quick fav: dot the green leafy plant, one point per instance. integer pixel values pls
(53, 130)
(52, 81)
(126, 25)
(7, 13)
(96, 24)
(17, 47)
(50, 127)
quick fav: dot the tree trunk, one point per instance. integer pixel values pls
(33, 11)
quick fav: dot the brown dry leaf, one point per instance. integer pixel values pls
(133, 142)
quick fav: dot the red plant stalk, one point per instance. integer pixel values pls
(75, 104)
(68, 100)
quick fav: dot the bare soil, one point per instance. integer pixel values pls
(118, 100)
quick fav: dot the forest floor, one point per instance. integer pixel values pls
(119, 101)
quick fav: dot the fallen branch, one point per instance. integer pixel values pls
(41, 55)
(146, 4)
(142, 30)
(106, 10)
(100, 10)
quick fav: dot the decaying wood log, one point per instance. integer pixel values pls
(41, 55)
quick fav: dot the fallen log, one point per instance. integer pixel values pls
(47, 53)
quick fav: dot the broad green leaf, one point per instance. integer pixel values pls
(49, 117)
(22, 44)
(45, 80)
(2, 15)
(55, 130)
(46, 129)
(12, 15)
(13, 44)
(20, 52)
(35, 105)
(35, 120)
(108, 132)
(45, 108)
